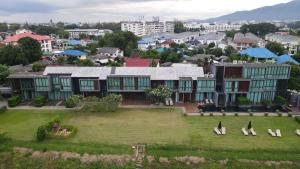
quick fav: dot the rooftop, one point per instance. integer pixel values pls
(17, 37)
(260, 53)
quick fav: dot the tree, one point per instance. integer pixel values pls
(37, 67)
(260, 29)
(229, 50)
(125, 41)
(4, 73)
(231, 33)
(31, 49)
(179, 27)
(217, 52)
(86, 62)
(159, 94)
(3, 27)
(294, 81)
(280, 100)
(11, 55)
(276, 48)
(211, 45)
(153, 63)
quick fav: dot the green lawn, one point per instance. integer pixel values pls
(156, 127)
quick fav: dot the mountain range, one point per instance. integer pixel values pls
(281, 12)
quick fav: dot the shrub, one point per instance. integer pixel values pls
(266, 114)
(39, 101)
(280, 100)
(14, 101)
(243, 101)
(251, 114)
(279, 114)
(159, 94)
(184, 114)
(211, 114)
(3, 108)
(202, 114)
(290, 114)
(72, 101)
(236, 114)
(41, 133)
(223, 113)
(297, 118)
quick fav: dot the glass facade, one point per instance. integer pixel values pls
(270, 85)
(253, 72)
(41, 84)
(277, 72)
(206, 85)
(144, 83)
(231, 86)
(128, 83)
(257, 85)
(185, 85)
(201, 96)
(88, 85)
(255, 97)
(65, 84)
(169, 84)
(114, 83)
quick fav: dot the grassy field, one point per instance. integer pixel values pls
(165, 131)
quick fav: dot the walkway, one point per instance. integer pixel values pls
(139, 155)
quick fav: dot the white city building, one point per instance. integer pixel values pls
(208, 27)
(141, 28)
(75, 33)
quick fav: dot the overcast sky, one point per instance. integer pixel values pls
(118, 10)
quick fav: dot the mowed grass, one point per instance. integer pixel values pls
(156, 127)
(202, 135)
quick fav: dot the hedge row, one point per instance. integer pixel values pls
(39, 101)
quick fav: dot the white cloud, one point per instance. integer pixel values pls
(116, 10)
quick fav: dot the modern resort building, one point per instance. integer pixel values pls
(220, 87)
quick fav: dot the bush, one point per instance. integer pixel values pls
(279, 100)
(14, 101)
(2, 109)
(236, 114)
(41, 133)
(251, 114)
(266, 114)
(72, 101)
(297, 118)
(39, 101)
(184, 114)
(290, 114)
(279, 114)
(243, 101)
(223, 113)
(211, 114)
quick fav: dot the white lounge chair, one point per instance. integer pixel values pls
(278, 133)
(252, 132)
(206, 101)
(171, 102)
(271, 133)
(217, 131)
(211, 101)
(167, 102)
(298, 132)
(244, 131)
(223, 130)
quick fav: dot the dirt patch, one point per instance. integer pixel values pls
(268, 163)
(150, 159)
(85, 158)
(223, 162)
(164, 160)
(190, 159)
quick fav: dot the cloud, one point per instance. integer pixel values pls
(12, 7)
(118, 10)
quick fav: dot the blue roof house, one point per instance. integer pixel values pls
(74, 53)
(259, 53)
(286, 58)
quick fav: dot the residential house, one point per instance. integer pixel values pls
(213, 37)
(45, 41)
(244, 41)
(146, 43)
(290, 43)
(260, 54)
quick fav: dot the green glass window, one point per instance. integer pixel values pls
(185, 85)
(41, 84)
(128, 83)
(26, 84)
(256, 85)
(88, 85)
(255, 97)
(56, 83)
(169, 84)
(231, 86)
(114, 83)
(270, 85)
(66, 84)
(206, 85)
(143, 83)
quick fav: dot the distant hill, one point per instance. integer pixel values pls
(283, 12)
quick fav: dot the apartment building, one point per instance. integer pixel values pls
(209, 27)
(45, 41)
(75, 33)
(147, 28)
(291, 43)
(227, 81)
